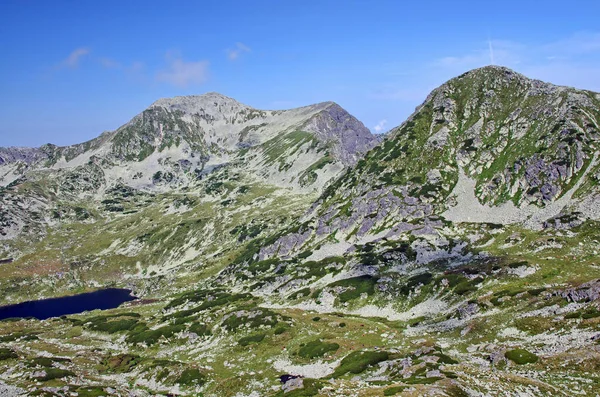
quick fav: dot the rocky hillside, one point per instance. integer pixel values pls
(290, 253)
(187, 137)
(179, 144)
(191, 173)
(490, 146)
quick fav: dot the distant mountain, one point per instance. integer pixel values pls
(188, 136)
(176, 143)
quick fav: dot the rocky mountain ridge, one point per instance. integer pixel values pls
(457, 256)
(177, 143)
(490, 146)
(195, 132)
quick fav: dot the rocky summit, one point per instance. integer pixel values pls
(293, 253)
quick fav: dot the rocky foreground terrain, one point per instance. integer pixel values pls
(292, 253)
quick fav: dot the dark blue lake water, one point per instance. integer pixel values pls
(55, 307)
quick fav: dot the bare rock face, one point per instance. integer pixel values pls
(587, 292)
(350, 137)
(25, 155)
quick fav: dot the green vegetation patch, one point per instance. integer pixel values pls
(253, 318)
(445, 359)
(254, 338)
(317, 348)
(585, 314)
(392, 391)
(262, 266)
(414, 281)
(112, 323)
(191, 377)
(90, 391)
(23, 336)
(521, 356)
(199, 329)
(7, 354)
(53, 373)
(467, 286)
(152, 336)
(209, 298)
(47, 361)
(311, 388)
(355, 287)
(121, 363)
(357, 362)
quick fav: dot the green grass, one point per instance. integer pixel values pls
(311, 388)
(317, 348)
(54, 373)
(121, 363)
(392, 391)
(355, 287)
(7, 354)
(151, 336)
(357, 362)
(521, 356)
(90, 391)
(191, 377)
(255, 338)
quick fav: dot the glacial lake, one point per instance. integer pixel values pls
(55, 307)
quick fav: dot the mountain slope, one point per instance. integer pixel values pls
(457, 257)
(191, 134)
(175, 144)
(181, 184)
(490, 146)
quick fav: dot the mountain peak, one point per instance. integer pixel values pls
(193, 103)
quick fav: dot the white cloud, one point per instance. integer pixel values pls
(380, 126)
(182, 73)
(74, 58)
(235, 53)
(109, 63)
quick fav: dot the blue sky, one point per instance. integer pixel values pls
(70, 70)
